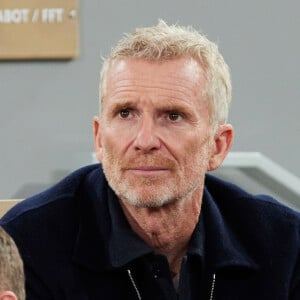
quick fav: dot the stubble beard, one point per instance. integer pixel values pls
(149, 192)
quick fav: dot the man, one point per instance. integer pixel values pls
(11, 270)
(148, 223)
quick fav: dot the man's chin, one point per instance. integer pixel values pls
(146, 202)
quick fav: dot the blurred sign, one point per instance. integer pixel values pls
(39, 29)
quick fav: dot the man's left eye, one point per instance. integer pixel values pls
(175, 116)
(124, 113)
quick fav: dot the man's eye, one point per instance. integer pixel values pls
(124, 113)
(175, 116)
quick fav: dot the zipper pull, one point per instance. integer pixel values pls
(212, 287)
(134, 285)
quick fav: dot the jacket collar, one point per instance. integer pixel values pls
(105, 240)
(124, 244)
(224, 250)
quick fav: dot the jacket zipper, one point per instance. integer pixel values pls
(213, 285)
(134, 285)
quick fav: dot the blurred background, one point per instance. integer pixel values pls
(46, 107)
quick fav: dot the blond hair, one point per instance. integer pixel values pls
(164, 42)
(11, 266)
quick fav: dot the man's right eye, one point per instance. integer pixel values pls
(124, 113)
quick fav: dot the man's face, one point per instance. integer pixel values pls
(153, 137)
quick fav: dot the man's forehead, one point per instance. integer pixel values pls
(177, 74)
(177, 78)
(131, 64)
(118, 65)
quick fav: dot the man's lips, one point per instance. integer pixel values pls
(147, 170)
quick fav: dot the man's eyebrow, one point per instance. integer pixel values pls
(176, 107)
(173, 106)
(116, 107)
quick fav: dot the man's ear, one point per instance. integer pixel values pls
(220, 146)
(8, 295)
(97, 139)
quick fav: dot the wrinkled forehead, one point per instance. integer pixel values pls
(178, 76)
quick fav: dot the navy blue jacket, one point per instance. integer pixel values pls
(78, 245)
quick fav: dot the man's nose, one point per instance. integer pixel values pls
(146, 139)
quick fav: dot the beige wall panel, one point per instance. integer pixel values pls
(35, 29)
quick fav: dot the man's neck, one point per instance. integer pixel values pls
(167, 229)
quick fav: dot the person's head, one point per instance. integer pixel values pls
(165, 93)
(11, 269)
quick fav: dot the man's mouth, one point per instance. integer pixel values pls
(148, 170)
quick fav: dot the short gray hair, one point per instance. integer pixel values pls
(164, 42)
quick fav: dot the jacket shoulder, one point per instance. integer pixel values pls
(227, 194)
(65, 189)
(258, 226)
